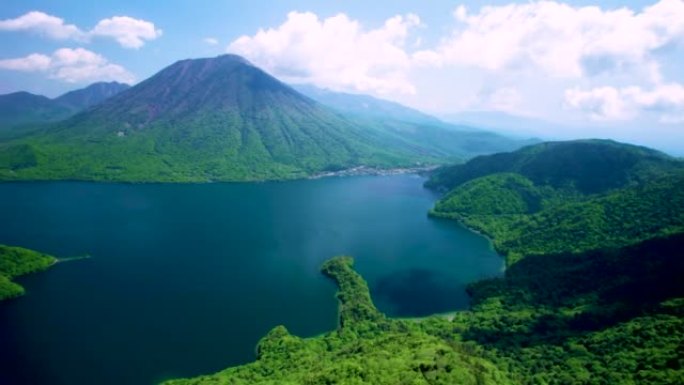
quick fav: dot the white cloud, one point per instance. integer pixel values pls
(31, 63)
(557, 38)
(70, 65)
(611, 103)
(601, 103)
(210, 40)
(127, 31)
(336, 52)
(43, 24)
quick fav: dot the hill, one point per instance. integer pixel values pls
(219, 119)
(566, 196)
(524, 219)
(584, 166)
(23, 112)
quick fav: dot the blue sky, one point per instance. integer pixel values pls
(608, 69)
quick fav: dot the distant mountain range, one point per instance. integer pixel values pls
(225, 119)
(27, 110)
(401, 122)
(506, 124)
(365, 105)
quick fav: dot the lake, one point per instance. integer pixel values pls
(185, 278)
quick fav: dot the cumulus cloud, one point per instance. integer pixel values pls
(612, 103)
(335, 52)
(71, 66)
(557, 38)
(44, 24)
(31, 63)
(127, 31)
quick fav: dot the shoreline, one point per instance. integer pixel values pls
(354, 171)
(365, 170)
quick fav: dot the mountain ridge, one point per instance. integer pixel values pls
(225, 119)
(23, 112)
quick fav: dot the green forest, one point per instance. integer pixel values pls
(612, 316)
(592, 294)
(17, 261)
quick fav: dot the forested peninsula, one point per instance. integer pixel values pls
(592, 232)
(15, 262)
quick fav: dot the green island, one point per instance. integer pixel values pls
(593, 293)
(17, 261)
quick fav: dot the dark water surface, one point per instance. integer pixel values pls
(185, 279)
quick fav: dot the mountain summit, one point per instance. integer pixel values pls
(217, 118)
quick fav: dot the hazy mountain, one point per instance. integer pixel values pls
(408, 124)
(23, 112)
(23, 107)
(365, 105)
(95, 93)
(504, 123)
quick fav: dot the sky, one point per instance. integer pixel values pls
(574, 69)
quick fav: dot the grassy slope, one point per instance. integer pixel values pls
(367, 348)
(16, 261)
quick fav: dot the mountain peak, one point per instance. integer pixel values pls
(204, 85)
(91, 95)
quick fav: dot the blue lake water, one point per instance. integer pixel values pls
(185, 278)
